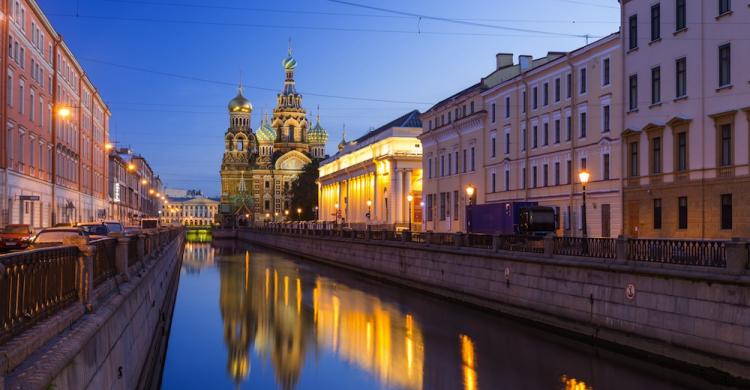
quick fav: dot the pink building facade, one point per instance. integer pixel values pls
(53, 167)
(687, 118)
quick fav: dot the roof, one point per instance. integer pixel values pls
(410, 119)
(190, 200)
(456, 95)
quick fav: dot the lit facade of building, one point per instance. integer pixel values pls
(54, 166)
(552, 121)
(383, 167)
(135, 191)
(688, 118)
(191, 211)
(259, 166)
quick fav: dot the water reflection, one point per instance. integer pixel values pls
(263, 306)
(289, 324)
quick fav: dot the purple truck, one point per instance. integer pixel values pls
(524, 218)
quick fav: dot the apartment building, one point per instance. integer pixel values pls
(134, 190)
(551, 122)
(53, 155)
(687, 94)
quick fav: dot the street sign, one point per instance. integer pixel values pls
(29, 198)
(630, 291)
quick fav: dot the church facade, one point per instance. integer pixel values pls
(260, 165)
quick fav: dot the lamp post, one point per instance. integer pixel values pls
(315, 210)
(410, 199)
(336, 213)
(299, 213)
(584, 177)
(369, 211)
(470, 190)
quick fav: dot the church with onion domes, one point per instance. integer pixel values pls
(259, 165)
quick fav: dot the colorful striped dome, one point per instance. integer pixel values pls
(265, 133)
(317, 135)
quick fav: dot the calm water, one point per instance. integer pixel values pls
(252, 318)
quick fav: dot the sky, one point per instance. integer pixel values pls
(168, 68)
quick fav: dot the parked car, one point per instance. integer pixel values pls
(115, 227)
(150, 223)
(95, 228)
(58, 236)
(15, 236)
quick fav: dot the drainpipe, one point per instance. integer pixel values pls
(525, 140)
(573, 122)
(703, 129)
(53, 203)
(4, 148)
(623, 114)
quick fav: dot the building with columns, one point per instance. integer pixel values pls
(687, 118)
(369, 180)
(53, 153)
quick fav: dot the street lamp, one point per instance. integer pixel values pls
(470, 194)
(336, 214)
(410, 198)
(369, 210)
(286, 214)
(299, 213)
(315, 209)
(64, 112)
(584, 177)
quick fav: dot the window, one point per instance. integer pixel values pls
(507, 142)
(442, 205)
(569, 85)
(493, 143)
(534, 136)
(21, 148)
(450, 162)
(507, 180)
(726, 211)
(569, 167)
(455, 205)
(494, 182)
(524, 102)
(557, 89)
(656, 155)
(605, 163)
(472, 158)
(545, 173)
(681, 77)
(523, 178)
(682, 212)
(493, 113)
(606, 77)
(633, 101)
(471, 107)
(464, 162)
(557, 131)
(655, 22)
(681, 151)
(634, 159)
(533, 177)
(545, 135)
(633, 29)
(534, 98)
(20, 96)
(725, 65)
(656, 85)
(724, 7)
(681, 12)
(583, 81)
(456, 161)
(429, 168)
(545, 94)
(583, 163)
(523, 139)
(507, 106)
(725, 154)
(569, 129)
(450, 118)
(657, 214)
(557, 173)
(606, 119)
(583, 125)
(442, 166)
(32, 104)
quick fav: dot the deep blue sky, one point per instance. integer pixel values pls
(178, 124)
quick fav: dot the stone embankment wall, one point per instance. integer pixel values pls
(685, 314)
(109, 341)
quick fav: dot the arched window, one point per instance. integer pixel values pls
(240, 145)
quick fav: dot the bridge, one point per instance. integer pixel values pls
(90, 316)
(684, 303)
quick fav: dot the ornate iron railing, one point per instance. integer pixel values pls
(590, 247)
(700, 253)
(34, 285)
(104, 259)
(133, 257)
(484, 241)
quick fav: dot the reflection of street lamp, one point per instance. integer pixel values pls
(410, 199)
(584, 177)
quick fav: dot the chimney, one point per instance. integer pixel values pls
(525, 62)
(504, 59)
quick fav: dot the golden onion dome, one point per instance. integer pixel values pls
(240, 104)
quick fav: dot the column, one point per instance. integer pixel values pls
(391, 212)
(398, 197)
(407, 191)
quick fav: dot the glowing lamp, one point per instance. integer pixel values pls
(584, 176)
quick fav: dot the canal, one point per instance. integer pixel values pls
(252, 318)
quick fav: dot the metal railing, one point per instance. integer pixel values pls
(700, 253)
(34, 285)
(104, 259)
(605, 248)
(133, 256)
(682, 252)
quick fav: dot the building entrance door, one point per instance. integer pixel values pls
(633, 219)
(606, 232)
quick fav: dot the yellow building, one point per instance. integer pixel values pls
(371, 180)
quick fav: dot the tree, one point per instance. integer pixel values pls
(304, 193)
